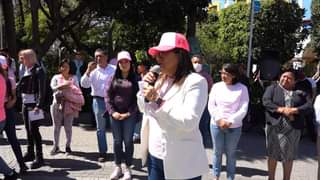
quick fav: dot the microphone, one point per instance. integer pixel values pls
(155, 70)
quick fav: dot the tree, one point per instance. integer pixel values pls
(278, 27)
(58, 16)
(224, 37)
(315, 32)
(10, 33)
(139, 24)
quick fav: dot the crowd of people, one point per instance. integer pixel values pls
(176, 104)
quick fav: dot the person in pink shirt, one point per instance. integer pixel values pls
(228, 105)
(4, 168)
(62, 84)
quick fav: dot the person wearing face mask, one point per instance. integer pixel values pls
(197, 62)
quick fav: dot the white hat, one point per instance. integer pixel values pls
(169, 41)
(124, 55)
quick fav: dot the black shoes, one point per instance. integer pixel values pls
(102, 157)
(28, 157)
(68, 150)
(37, 163)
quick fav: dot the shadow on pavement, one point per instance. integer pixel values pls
(245, 171)
(24, 142)
(60, 175)
(249, 172)
(139, 177)
(65, 165)
(92, 156)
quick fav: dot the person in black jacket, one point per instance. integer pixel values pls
(285, 110)
(33, 91)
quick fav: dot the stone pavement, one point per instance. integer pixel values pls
(82, 164)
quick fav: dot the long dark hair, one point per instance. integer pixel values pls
(132, 77)
(185, 66)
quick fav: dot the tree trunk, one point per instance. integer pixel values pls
(34, 5)
(10, 31)
(110, 40)
(21, 18)
(191, 23)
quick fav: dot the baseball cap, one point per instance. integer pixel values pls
(124, 55)
(169, 41)
(3, 62)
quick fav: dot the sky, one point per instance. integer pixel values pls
(307, 6)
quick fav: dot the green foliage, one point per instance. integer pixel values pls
(43, 28)
(224, 36)
(315, 34)
(141, 56)
(233, 31)
(278, 27)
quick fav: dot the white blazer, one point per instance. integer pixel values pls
(179, 119)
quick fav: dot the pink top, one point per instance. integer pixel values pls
(3, 92)
(229, 102)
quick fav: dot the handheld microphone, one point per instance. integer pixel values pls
(155, 70)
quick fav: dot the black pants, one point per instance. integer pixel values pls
(33, 133)
(10, 129)
(311, 126)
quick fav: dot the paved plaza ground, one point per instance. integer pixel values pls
(82, 163)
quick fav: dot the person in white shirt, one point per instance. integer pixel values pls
(317, 113)
(228, 105)
(172, 108)
(98, 76)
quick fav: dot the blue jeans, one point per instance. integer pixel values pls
(99, 108)
(4, 168)
(122, 131)
(155, 169)
(225, 139)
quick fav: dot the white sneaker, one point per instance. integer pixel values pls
(127, 173)
(117, 172)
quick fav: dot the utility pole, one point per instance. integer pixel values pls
(250, 39)
(255, 7)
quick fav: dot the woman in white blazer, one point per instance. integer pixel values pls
(170, 136)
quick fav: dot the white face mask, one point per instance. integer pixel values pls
(197, 67)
